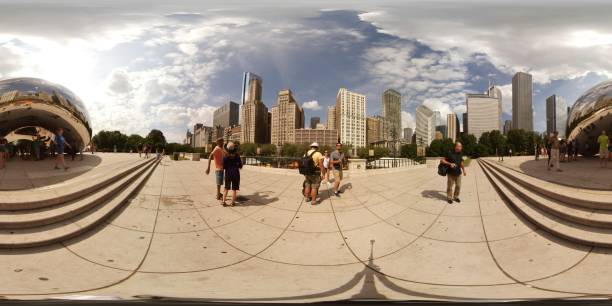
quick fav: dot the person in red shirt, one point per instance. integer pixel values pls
(217, 154)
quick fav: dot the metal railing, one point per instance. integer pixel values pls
(271, 161)
(384, 163)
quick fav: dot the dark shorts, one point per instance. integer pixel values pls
(312, 181)
(232, 183)
(59, 150)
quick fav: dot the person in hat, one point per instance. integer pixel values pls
(313, 181)
(231, 165)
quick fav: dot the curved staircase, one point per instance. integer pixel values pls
(42, 216)
(579, 215)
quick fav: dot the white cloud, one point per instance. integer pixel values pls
(408, 120)
(506, 98)
(312, 105)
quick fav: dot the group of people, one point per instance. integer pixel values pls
(561, 150)
(227, 170)
(39, 148)
(317, 167)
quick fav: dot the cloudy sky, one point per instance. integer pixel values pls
(139, 65)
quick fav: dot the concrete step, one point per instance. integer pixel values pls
(48, 215)
(76, 225)
(67, 191)
(571, 213)
(595, 199)
(575, 232)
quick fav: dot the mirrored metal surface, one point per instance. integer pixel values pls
(591, 114)
(31, 102)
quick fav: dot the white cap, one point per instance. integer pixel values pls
(314, 144)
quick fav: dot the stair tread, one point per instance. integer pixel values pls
(38, 198)
(591, 215)
(51, 233)
(52, 214)
(599, 199)
(573, 231)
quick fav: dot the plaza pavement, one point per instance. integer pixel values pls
(390, 236)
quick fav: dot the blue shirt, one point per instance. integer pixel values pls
(59, 143)
(232, 166)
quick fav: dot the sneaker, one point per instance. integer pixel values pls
(449, 201)
(337, 194)
(307, 200)
(457, 200)
(559, 170)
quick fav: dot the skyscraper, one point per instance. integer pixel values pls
(556, 115)
(522, 105)
(452, 126)
(287, 116)
(464, 128)
(425, 126)
(331, 118)
(484, 111)
(314, 121)
(507, 126)
(251, 88)
(226, 115)
(408, 134)
(350, 118)
(255, 120)
(392, 114)
(374, 129)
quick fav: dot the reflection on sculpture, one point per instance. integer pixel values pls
(30, 102)
(591, 114)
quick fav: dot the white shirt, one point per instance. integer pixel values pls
(326, 162)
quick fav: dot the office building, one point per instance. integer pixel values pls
(556, 115)
(255, 126)
(522, 106)
(374, 127)
(350, 118)
(484, 111)
(251, 88)
(392, 114)
(320, 126)
(188, 140)
(408, 135)
(331, 117)
(287, 116)
(202, 135)
(452, 126)
(425, 126)
(314, 121)
(226, 115)
(325, 137)
(507, 126)
(464, 127)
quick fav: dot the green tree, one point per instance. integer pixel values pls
(157, 139)
(408, 151)
(107, 141)
(248, 149)
(468, 142)
(268, 149)
(132, 142)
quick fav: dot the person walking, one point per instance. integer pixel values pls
(548, 150)
(36, 146)
(454, 159)
(311, 167)
(217, 155)
(326, 167)
(555, 146)
(139, 148)
(337, 163)
(60, 142)
(232, 163)
(603, 140)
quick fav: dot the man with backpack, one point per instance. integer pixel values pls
(310, 166)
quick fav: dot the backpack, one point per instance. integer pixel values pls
(307, 165)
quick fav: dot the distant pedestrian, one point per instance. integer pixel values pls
(509, 152)
(217, 155)
(555, 146)
(60, 142)
(548, 150)
(603, 140)
(139, 148)
(232, 163)
(326, 167)
(609, 149)
(146, 150)
(337, 163)
(3, 152)
(311, 167)
(36, 143)
(454, 159)
(570, 150)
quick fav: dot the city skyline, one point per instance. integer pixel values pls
(169, 66)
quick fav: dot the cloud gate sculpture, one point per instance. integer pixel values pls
(28, 103)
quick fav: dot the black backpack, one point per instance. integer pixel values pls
(442, 169)
(307, 165)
